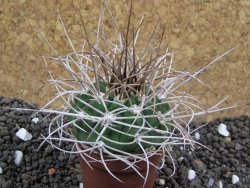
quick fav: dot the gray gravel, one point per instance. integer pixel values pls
(33, 171)
(229, 156)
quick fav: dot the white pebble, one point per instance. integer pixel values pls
(220, 184)
(160, 181)
(1, 170)
(180, 159)
(23, 134)
(18, 157)
(35, 120)
(222, 129)
(197, 136)
(235, 179)
(210, 182)
(191, 174)
(81, 185)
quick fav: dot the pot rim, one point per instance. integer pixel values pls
(150, 152)
(112, 164)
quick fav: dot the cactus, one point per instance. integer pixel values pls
(121, 101)
(122, 136)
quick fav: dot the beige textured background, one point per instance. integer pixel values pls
(204, 28)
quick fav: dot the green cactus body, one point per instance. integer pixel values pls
(120, 108)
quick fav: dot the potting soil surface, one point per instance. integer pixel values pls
(227, 164)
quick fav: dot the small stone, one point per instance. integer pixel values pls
(51, 171)
(197, 136)
(48, 149)
(220, 184)
(244, 134)
(18, 157)
(198, 165)
(191, 174)
(228, 139)
(35, 120)
(6, 138)
(25, 177)
(80, 185)
(72, 157)
(4, 132)
(67, 179)
(180, 159)
(210, 183)
(60, 158)
(3, 165)
(168, 161)
(228, 174)
(222, 129)
(238, 146)
(235, 179)
(209, 136)
(160, 182)
(23, 134)
(1, 170)
(79, 177)
(168, 171)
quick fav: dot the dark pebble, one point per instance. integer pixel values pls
(3, 165)
(6, 138)
(4, 132)
(60, 158)
(48, 149)
(168, 171)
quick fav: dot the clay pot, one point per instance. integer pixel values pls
(98, 177)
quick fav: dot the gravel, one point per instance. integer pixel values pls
(228, 159)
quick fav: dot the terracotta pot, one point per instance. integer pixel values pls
(98, 177)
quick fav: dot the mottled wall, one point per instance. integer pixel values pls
(204, 29)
